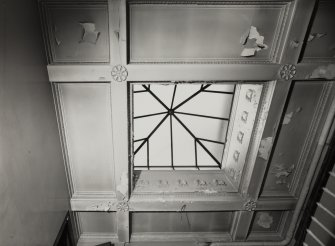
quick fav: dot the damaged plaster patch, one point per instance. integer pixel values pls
(265, 220)
(326, 72)
(56, 33)
(252, 42)
(89, 35)
(122, 188)
(289, 116)
(265, 147)
(281, 172)
(314, 36)
(294, 44)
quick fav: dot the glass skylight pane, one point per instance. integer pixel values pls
(205, 157)
(221, 104)
(160, 146)
(141, 156)
(215, 148)
(205, 128)
(184, 91)
(144, 126)
(183, 149)
(148, 105)
(164, 92)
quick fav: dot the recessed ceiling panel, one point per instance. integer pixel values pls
(320, 45)
(181, 222)
(208, 32)
(76, 32)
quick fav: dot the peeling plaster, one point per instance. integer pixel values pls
(122, 188)
(314, 36)
(252, 42)
(294, 44)
(90, 35)
(289, 116)
(57, 40)
(326, 72)
(265, 148)
(282, 171)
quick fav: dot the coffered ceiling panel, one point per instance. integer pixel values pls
(320, 42)
(100, 225)
(86, 118)
(181, 222)
(269, 225)
(216, 32)
(76, 32)
(290, 160)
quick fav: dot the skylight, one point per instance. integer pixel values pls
(180, 126)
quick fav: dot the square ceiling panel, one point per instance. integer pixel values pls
(198, 126)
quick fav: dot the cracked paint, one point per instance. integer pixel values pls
(252, 42)
(265, 148)
(326, 72)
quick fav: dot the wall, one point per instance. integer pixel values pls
(33, 190)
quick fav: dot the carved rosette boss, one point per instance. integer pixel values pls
(119, 73)
(287, 71)
(250, 205)
(122, 206)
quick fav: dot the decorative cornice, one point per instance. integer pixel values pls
(119, 73)
(287, 72)
(250, 205)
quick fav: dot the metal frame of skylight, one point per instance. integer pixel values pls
(171, 113)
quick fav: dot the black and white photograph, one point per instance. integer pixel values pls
(167, 123)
